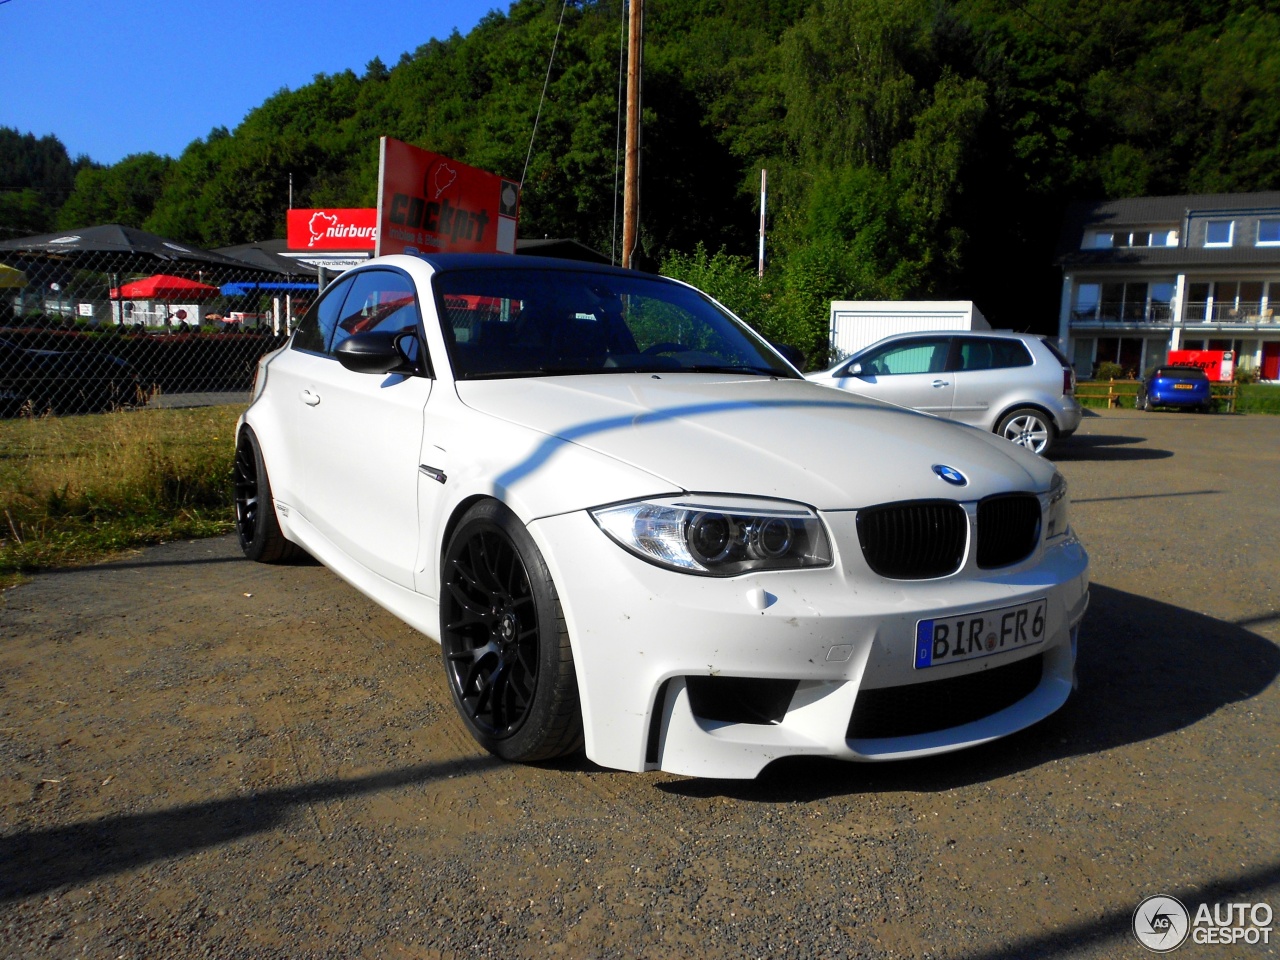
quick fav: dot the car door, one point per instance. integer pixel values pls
(358, 435)
(910, 372)
(991, 374)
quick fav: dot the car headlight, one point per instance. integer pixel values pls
(718, 536)
(1057, 510)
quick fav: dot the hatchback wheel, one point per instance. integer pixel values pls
(1027, 428)
(256, 522)
(505, 644)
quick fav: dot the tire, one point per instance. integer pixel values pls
(1028, 427)
(504, 641)
(256, 522)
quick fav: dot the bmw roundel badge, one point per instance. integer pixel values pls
(950, 474)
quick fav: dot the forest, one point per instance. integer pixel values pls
(914, 148)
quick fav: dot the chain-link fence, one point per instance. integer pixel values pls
(89, 323)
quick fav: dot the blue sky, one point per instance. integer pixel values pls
(130, 76)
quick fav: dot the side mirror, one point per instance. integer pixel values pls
(381, 351)
(855, 370)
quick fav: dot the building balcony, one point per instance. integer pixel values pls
(1244, 312)
(1200, 315)
(1123, 315)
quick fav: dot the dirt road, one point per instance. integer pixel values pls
(200, 756)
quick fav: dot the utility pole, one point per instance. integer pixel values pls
(631, 167)
(764, 195)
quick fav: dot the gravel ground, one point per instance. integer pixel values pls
(204, 757)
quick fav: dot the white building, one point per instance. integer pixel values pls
(1148, 275)
(859, 323)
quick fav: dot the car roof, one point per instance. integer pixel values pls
(447, 262)
(998, 334)
(1178, 370)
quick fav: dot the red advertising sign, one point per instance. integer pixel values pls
(431, 204)
(1218, 364)
(333, 229)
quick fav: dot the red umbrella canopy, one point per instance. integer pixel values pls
(164, 287)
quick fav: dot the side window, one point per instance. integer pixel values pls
(316, 326)
(981, 353)
(926, 355)
(378, 300)
(1011, 353)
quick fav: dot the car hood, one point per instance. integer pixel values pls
(758, 436)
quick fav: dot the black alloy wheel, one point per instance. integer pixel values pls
(256, 522)
(506, 648)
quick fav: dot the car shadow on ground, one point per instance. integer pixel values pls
(36, 861)
(1106, 447)
(1146, 669)
(1117, 925)
(150, 562)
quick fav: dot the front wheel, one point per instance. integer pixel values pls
(256, 522)
(504, 640)
(1028, 428)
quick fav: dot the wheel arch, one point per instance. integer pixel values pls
(1027, 405)
(455, 517)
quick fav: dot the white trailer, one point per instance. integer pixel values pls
(859, 323)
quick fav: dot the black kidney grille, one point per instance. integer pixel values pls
(942, 704)
(913, 541)
(1008, 529)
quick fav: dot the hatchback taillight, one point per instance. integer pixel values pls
(1068, 381)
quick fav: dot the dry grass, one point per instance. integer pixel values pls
(77, 489)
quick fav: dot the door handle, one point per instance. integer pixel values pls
(940, 383)
(310, 397)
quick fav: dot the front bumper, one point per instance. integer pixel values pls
(719, 677)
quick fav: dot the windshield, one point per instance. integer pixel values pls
(538, 322)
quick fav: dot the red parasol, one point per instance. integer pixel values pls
(164, 287)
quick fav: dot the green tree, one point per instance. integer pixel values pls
(123, 193)
(36, 176)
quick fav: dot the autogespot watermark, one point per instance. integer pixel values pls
(1162, 923)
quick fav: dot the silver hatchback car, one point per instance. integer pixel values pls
(1016, 384)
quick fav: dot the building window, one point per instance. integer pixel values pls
(1134, 301)
(1125, 302)
(1249, 300)
(1219, 233)
(1225, 300)
(1269, 233)
(1161, 308)
(1125, 351)
(1139, 237)
(1082, 357)
(1086, 304)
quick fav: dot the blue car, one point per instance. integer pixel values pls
(1175, 387)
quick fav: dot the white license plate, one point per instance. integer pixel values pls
(983, 633)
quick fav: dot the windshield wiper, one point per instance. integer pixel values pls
(730, 368)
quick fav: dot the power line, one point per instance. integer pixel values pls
(545, 83)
